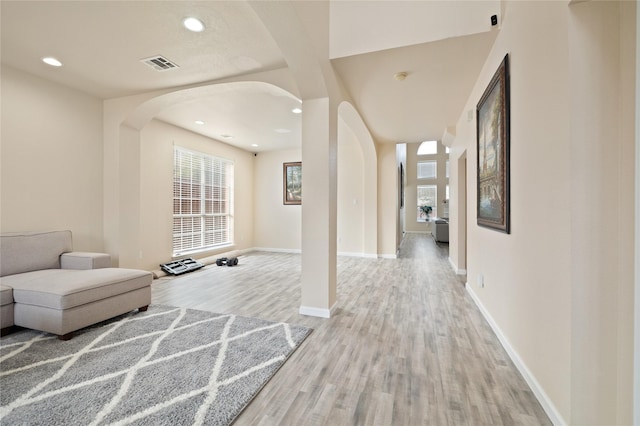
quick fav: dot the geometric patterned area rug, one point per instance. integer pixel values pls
(165, 366)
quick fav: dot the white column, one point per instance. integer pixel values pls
(319, 206)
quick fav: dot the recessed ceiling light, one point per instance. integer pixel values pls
(296, 110)
(255, 145)
(52, 61)
(193, 24)
(199, 122)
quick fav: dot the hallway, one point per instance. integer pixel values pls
(405, 344)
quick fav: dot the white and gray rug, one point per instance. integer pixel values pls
(166, 366)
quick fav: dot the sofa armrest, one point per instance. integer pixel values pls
(84, 260)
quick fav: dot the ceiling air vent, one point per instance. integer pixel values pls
(159, 63)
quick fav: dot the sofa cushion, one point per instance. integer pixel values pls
(84, 260)
(66, 288)
(32, 251)
(6, 295)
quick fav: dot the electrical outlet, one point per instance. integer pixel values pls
(480, 280)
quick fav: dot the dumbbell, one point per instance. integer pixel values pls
(231, 261)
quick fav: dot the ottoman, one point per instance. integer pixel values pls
(6, 309)
(60, 301)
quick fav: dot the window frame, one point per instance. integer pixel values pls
(434, 212)
(433, 164)
(203, 200)
(427, 148)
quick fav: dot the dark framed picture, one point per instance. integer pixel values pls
(401, 185)
(292, 183)
(492, 134)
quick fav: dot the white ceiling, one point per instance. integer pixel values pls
(250, 113)
(101, 43)
(440, 76)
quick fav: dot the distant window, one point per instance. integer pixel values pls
(427, 169)
(427, 195)
(447, 170)
(202, 202)
(428, 148)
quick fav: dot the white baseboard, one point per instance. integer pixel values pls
(245, 251)
(277, 250)
(455, 268)
(537, 390)
(316, 312)
(387, 256)
(351, 254)
(297, 251)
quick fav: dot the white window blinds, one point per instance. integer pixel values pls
(427, 169)
(202, 202)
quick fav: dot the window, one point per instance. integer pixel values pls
(202, 201)
(427, 195)
(428, 148)
(427, 169)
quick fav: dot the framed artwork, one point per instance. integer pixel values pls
(401, 185)
(292, 183)
(492, 134)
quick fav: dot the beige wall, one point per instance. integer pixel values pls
(350, 125)
(351, 206)
(388, 202)
(458, 210)
(277, 226)
(156, 190)
(601, 40)
(51, 159)
(527, 290)
(556, 288)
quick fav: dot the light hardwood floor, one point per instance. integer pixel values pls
(404, 346)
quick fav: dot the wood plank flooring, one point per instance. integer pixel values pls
(405, 345)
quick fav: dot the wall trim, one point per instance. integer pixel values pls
(538, 391)
(455, 268)
(316, 312)
(387, 256)
(351, 254)
(277, 250)
(298, 251)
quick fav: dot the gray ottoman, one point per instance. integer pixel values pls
(6, 309)
(61, 301)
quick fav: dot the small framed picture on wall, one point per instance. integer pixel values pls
(292, 183)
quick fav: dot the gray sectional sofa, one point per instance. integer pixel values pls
(45, 285)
